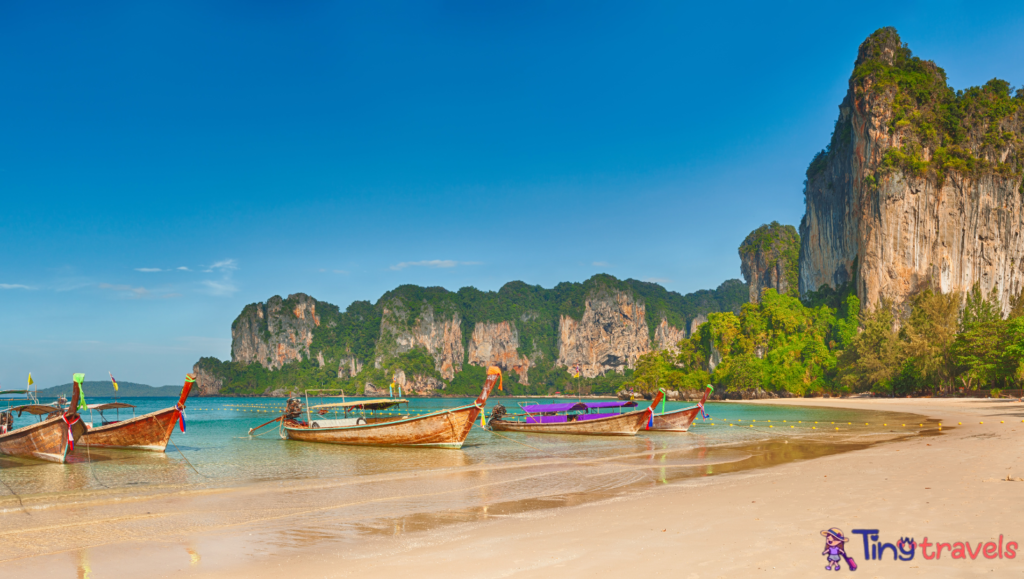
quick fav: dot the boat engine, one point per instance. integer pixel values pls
(293, 409)
(497, 412)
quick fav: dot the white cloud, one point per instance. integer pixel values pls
(433, 263)
(220, 288)
(602, 264)
(148, 269)
(224, 287)
(658, 280)
(224, 265)
(183, 268)
(126, 290)
(14, 286)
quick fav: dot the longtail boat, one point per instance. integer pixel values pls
(147, 432)
(680, 420)
(52, 437)
(590, 418)
(441, 429)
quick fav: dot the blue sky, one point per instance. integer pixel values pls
(164, 164)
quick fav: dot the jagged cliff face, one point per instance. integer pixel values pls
(666, 336)
(769, 259)
(275, 333)
(497, 344)
(695, 324)
(911, 194)
(206, 383)
(442, 337)
(349, 367)
(610, 337)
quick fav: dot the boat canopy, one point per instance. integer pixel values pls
(375, 404)
(574, 406)
(109, 406)
(36, 409)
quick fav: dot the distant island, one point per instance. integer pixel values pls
(104, 389)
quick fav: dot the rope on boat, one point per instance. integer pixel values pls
(17, 496)
(186, 460)
(92, 469)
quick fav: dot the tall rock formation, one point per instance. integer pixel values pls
(611, 335)
(440, 335)
(667, 336)
(207, 383)
(769, 258)
(920, 185)
(497, 344)
(274, 333)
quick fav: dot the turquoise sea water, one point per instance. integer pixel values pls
(218, 447)
(275, 486)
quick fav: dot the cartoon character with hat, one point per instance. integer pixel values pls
(834, 539)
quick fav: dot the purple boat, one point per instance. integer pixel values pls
(605, 418)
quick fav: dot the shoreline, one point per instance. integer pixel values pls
(765, 519)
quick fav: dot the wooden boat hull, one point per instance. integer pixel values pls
(445, 429)
(147, 432)
(622, 425)
(46, 440)
(676, 420)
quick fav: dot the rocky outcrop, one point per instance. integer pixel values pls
(274, 333)
(695, 324)
(417, 385)
(349, 367)
(769, 258)
(666, 336)
(207, 384)
(611, 335)
(910, 201)
(440, 335)
(497, 344)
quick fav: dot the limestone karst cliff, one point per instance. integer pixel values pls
(610, 336)
(274, 333)
(769, 258)
(920, 185)
(440, 342)
(497, 344)
(207, 383)
(440, 335)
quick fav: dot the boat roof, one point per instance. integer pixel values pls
(109, 406)
(569, 406)
(375, 404)
(36, 409)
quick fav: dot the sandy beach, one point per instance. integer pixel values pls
(948, 487)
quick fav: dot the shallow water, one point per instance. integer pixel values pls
(108, 495)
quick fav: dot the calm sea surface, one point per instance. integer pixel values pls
(232, 479)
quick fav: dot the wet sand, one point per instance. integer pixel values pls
(658, 514)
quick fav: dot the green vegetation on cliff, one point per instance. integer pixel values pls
(535, 311)
(971, 132)
(769, 245)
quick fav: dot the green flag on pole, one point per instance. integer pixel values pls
(79, 378)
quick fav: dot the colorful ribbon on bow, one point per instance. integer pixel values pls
(181, 415)
(71, 435)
